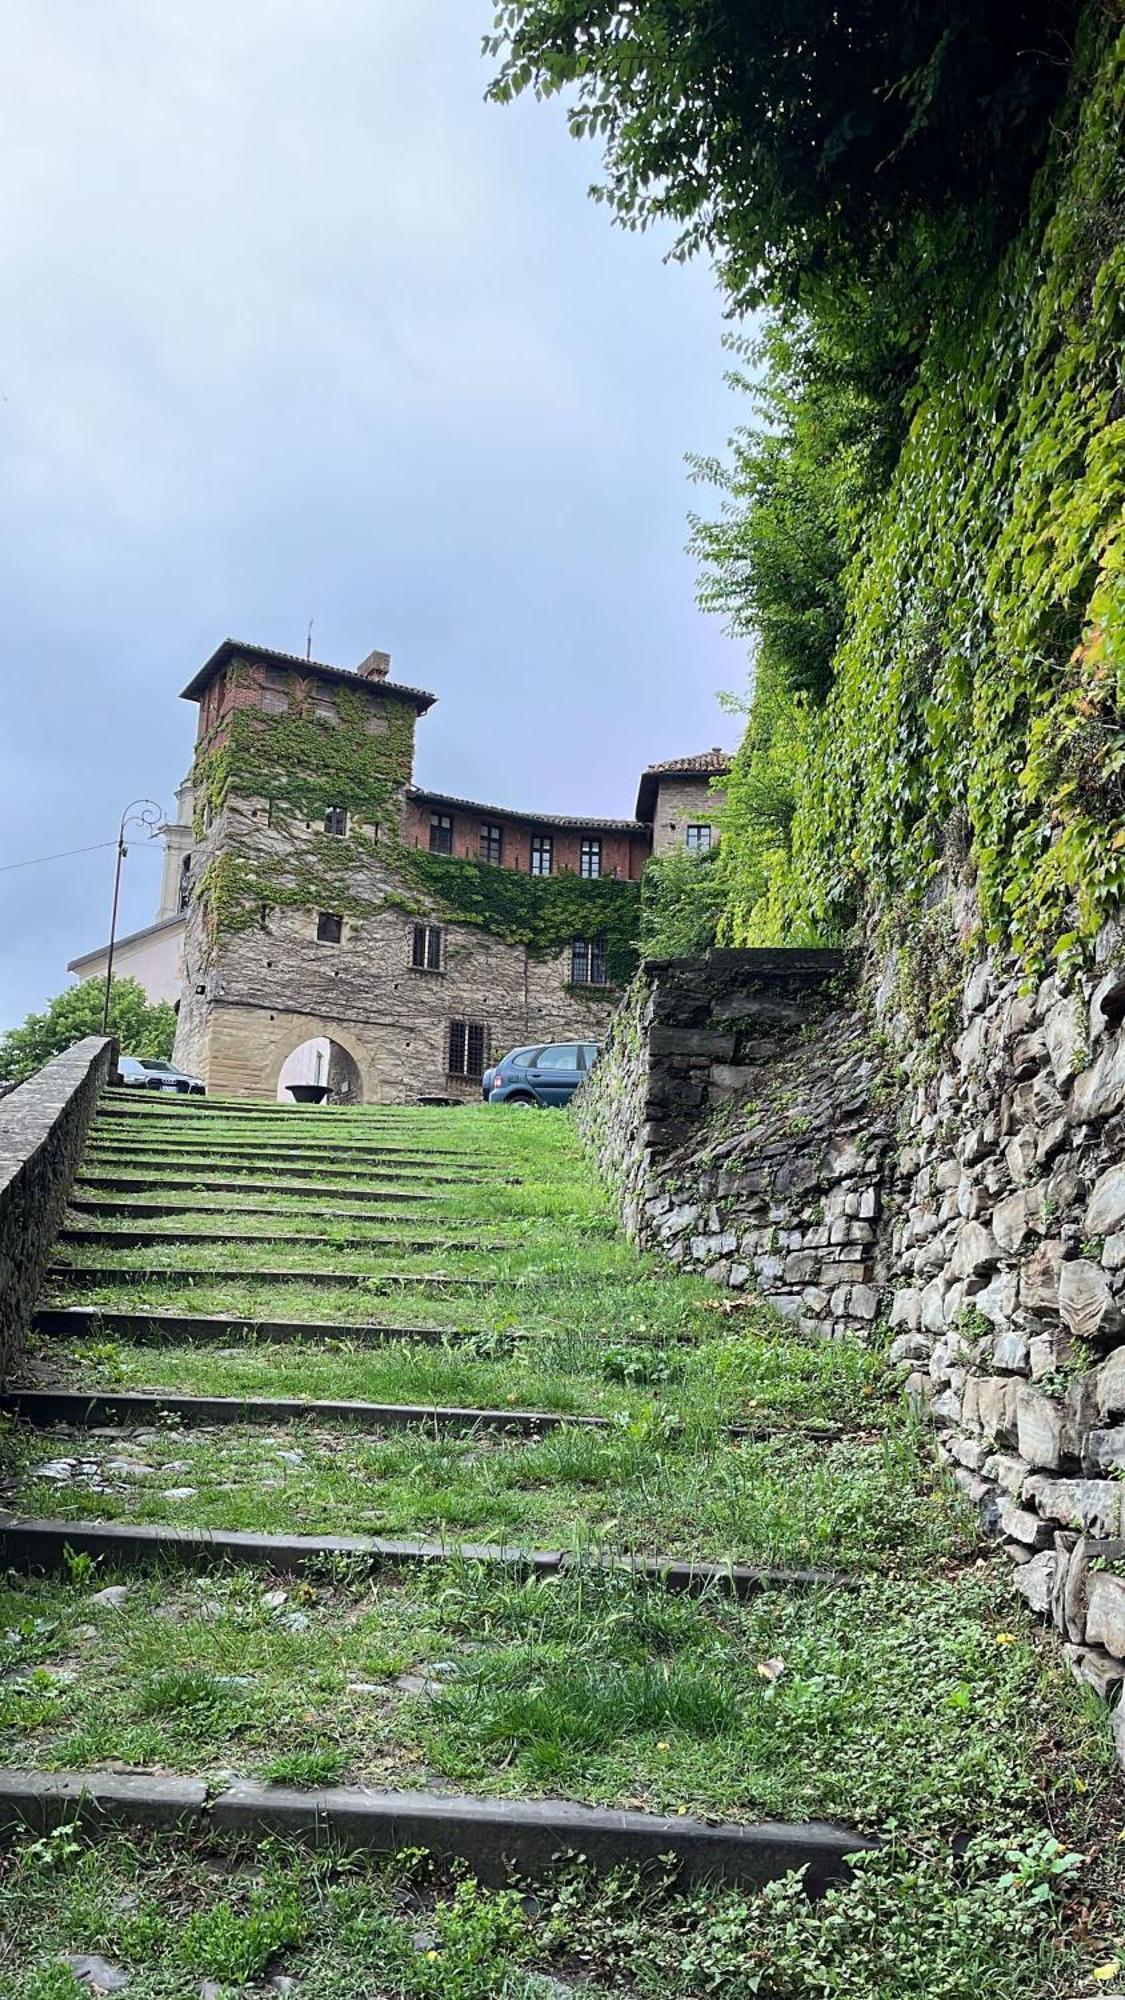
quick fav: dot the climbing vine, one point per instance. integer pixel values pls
(975, 726)
(295, 766)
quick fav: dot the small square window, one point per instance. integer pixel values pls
(426, 948)
(542, 854)
(441, 833)
(698, 837)
(329, 927)
(492, 844)
(590, 860)
(336, 820)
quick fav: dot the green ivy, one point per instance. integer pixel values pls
(302, 766)
(542, 912)
(976, 723)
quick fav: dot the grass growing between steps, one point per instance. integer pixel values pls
(777, 1381)
(643, 1488)
(934, 1706)
(920, 1702)
(913, 1924)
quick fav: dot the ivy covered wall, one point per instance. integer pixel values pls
(974, 728)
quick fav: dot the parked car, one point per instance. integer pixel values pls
(153, 1073)
(547, 1074)
(513, 1057)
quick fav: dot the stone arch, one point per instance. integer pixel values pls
(323, 1059)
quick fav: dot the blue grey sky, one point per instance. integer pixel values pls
(297, 326)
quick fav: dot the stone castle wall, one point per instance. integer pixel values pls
(968, 1208)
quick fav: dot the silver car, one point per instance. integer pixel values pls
(153, 1073)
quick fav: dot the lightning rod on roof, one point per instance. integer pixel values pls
(308, 641)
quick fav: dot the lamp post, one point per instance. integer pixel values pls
(140, 813)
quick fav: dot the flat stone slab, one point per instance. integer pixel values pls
(40, 1544)
(494, 1836)
(142, 1328)
(113, 1406)
(126, 1183)
(141, 1274)
(44, 1799)
(146, 1239)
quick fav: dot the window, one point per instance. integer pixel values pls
(426, 952)
(325, 710)
(587, 962)
(441, 833)
(185, 883)
(336, 819)
(542, 853)
(698, 837)
(561, 1055)
(468, 1048)
(492, 844)
(329, 927)
(590, 859)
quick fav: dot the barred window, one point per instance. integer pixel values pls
(587, 962)
(542, 853)
(336, 819)
(590, 859)
(441, 833)
(492, 844)
(698, 837)
(468, 1048)
(426, 949)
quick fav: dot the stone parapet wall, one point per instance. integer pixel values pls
(43, 1128)
(741, 1113)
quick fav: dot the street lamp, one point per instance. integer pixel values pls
(144, 813)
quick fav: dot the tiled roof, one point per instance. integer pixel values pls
(425, 797)
(238, 649)
(714, 763)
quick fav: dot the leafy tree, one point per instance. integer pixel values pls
(142, 1029)
(681, 903)
(803, 142)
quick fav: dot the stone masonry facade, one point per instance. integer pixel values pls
(305, 920)
(965, 1206)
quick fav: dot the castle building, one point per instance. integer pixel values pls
(407, 936)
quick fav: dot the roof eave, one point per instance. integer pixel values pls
(231, 649)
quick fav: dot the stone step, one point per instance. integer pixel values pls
(140, 1208)
(88, 1409)
(140, 1329)
(125, 1183)
(140, 1239)
(161, 1173)
(192, 1274)
(35, 1544)
(493, 1836)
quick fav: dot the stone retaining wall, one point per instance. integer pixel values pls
(765, 1126)
(741, 1112)
(43, 1127)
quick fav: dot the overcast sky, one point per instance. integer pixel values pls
(296, 326)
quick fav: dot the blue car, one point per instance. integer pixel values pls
(547, 1073)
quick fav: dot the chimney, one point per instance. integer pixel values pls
(375, 667)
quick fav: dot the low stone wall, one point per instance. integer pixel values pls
(741, 1113)
(767, 1127)
(43, 1126)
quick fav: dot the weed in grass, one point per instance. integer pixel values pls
(320, 1764)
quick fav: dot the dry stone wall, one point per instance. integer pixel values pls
(765, 1125)
(43, 1127)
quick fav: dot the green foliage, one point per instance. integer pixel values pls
(977, 716)
(681, 902)
(542, 912)
(855, 160)
(142, 1029)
